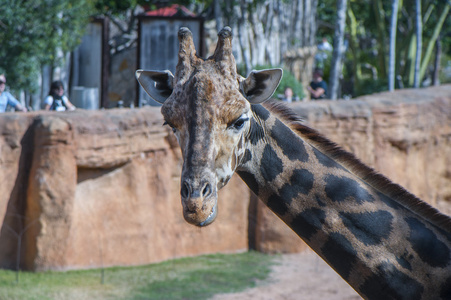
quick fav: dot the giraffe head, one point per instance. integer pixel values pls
(207, 105)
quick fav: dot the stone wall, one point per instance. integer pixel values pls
(87, 189)
(93, 188)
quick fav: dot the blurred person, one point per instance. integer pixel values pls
(56, 100)
(317, 87)
(324, 51)
(325, 45)
(288, 95)
(7, 99)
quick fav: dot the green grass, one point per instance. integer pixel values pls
(187, 278)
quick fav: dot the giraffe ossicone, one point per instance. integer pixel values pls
(385, 242)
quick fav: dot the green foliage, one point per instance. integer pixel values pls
(370, 86)
(445, 76)
(114, 6)
(187, 278)
(117, 7)
(289, 80)
(367, 34)
(32, 33)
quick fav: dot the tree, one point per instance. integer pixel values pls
(272, 32)
(367, 65)
(434, 38)
(392, 57)
(337, 54)
(419, 32)
(34, 31)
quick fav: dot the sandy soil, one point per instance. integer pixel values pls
(298, 276)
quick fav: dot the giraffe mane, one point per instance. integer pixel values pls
(354, 165)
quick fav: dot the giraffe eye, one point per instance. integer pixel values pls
(239, 123)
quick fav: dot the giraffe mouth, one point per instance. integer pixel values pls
(199, 197)
(202, 209)
(211, 217)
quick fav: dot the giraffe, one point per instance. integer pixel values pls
(382, 240)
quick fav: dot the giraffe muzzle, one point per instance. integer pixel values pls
(199, 202)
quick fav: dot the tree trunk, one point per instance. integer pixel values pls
(273, 53)
(435, 34)
(297, 24)
(419, 29)
(355, 50)
(259, 42)
(438, 54)
(243, 35)
(392, 52)
(218, 15)
(274, 28)
(337, 54)
(299, 53)
(379, 13)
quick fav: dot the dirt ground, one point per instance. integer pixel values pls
(295, 277)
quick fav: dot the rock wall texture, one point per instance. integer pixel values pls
(100, 188)
(86, 189)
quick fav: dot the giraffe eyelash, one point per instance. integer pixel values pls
(238, 123)
(168, 124)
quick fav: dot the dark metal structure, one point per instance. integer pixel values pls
(158, 42)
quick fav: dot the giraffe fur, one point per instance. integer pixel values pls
(361, 216)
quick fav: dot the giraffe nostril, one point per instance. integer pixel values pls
(206, 190)
(185, 191)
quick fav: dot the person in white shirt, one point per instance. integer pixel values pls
(56, 100)
(325, 46)
(7, 99)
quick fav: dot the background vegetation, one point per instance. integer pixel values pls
(367, 42)
(33, 32)
(40, 32)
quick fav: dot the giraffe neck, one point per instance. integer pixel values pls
(379, 246)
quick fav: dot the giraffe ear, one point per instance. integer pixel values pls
(158, 84)
(259, 86)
